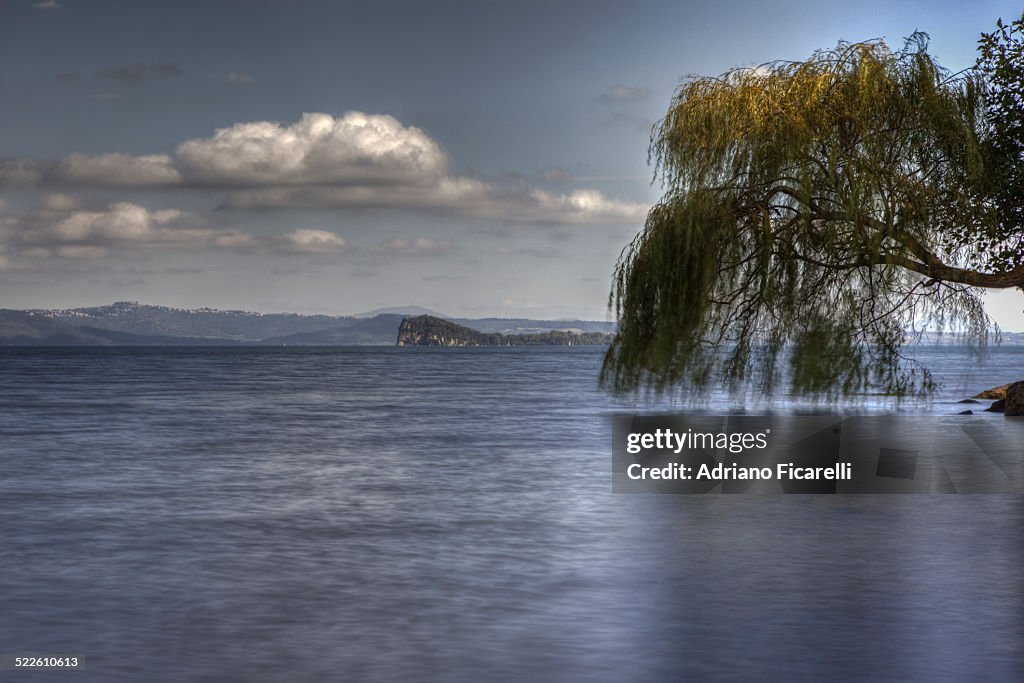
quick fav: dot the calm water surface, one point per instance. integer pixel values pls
(418, 514)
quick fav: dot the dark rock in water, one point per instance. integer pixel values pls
(968, 400)
(966, 412)
(996, 407)
(993, 393)
(1014, 405)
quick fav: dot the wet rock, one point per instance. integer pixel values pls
(996, 407)
(993, 393)
(968, 400)
(1014, 405)
(966, 412)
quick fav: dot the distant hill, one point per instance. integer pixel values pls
(25, 328)
(128, 323)
(427, 330)
(205, 323)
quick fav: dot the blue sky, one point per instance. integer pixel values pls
(477, 158)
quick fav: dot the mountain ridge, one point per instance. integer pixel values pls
(129, 323)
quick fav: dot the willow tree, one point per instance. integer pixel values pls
(818, 214)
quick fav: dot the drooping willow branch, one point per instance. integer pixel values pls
(819, 211)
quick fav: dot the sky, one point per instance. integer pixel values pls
(483, 158)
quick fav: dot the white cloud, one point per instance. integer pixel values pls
(354, 161)
(117, 170)
(587, 206)
(234, 77)
(313, 240)
(47, 5)
(60, 227)
(355, 148)
(59, 202)
(458, 196)
(123, 222)
(420, 246)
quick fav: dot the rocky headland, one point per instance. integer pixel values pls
(1009, 399)
(428, 330)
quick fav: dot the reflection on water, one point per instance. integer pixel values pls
(382, 514)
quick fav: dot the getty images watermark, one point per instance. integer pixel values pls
(764, 454)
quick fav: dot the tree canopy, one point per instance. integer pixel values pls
(816, 214)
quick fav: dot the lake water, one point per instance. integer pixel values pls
(262, 514)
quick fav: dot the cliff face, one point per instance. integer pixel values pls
(427, 330)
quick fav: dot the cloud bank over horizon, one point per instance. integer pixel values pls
(61, 227)
(352, 161)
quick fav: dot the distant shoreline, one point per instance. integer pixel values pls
(132, 324)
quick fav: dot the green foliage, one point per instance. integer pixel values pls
(813, 214)
(1001, 62)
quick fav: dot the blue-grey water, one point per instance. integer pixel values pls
(256, 514)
